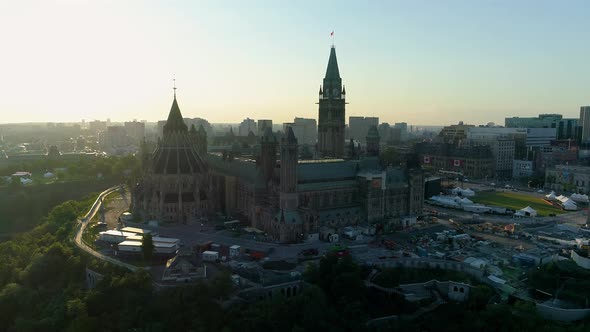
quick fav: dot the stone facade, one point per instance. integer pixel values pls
(289, 199)
(175, 184)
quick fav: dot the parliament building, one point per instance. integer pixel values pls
(289, 198)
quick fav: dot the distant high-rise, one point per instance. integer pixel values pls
(566, 128)
(262, 125)
(331, 111)
(305, 130)
(585, 122)
(403, 129)
(248, 125)
(358, 126)
(135, 130)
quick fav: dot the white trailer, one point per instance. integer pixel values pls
(159, 248)
(130, 246)
(138, 231)
(155, 239)
(210, 256)
(477, 208)
(114, 236)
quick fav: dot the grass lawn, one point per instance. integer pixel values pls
(516, 201)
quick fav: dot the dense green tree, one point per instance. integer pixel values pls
(147, 247)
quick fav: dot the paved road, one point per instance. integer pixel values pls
(82, 225)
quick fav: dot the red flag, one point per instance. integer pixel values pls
(332, 33)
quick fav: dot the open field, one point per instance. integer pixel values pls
(516, 201)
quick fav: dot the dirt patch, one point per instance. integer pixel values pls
(115, 205)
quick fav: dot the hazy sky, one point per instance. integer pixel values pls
(423, 62)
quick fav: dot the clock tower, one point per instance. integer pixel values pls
(331, 112)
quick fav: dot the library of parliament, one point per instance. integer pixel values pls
(276, 191)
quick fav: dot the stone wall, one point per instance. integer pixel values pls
(564, 315)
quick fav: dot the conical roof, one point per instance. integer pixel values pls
(332, 82)
(175, 123)
(332, 71)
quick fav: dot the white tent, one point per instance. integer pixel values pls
(527, 212)
(48, 175)
(579, 198)
(446, 200)
(466, 200)
(551, 196)
(468, 192)
(457, 191)
(570, 205)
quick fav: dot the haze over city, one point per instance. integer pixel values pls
(472, 61)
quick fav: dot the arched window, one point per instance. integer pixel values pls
(455, 289)
(461, 290)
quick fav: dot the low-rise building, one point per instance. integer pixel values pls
(568, 178)
(183, 268)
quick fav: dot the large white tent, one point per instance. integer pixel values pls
(551, 196)
(526, 212)
(463, 192)
(569, 205)
(579, 198)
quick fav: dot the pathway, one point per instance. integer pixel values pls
(84, 221)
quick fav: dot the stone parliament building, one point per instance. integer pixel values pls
(277, 192)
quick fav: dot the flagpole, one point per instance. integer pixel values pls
(332, 35)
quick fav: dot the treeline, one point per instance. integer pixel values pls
(42, 287)
(81, 166)
(21, 207)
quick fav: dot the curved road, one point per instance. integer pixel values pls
(82, 225)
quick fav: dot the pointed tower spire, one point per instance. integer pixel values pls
(332, 81)
(175, 121)
(332, 71)
(291, 136)
(321, 90)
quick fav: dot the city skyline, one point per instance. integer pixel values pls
(400, 62)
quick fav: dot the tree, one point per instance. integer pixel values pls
(147, 246)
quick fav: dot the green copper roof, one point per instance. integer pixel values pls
(175, 122)
(332, 71)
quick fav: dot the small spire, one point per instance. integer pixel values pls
(321, 90)
(343, 90)
(291, 136)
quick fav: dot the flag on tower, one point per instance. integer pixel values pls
(332, 33)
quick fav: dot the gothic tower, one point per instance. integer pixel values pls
(288, 186)
(373, 142)
(268, 157)
(331, 112)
